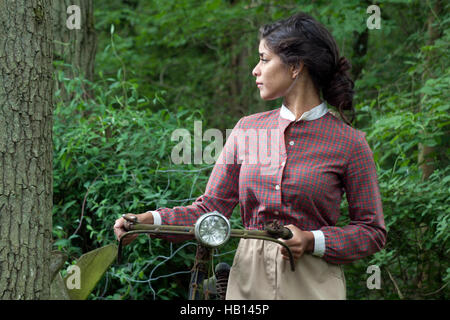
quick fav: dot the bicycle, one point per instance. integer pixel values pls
(211, 230)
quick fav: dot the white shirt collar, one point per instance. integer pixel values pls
(313, 114)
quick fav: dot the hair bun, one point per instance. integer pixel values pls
(343, 65)
(340, 89)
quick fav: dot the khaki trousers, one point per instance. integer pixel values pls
(260, 273)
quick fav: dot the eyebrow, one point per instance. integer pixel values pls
(262, 54)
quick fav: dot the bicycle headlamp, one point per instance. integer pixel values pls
(212, 229)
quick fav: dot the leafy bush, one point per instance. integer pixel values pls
(112, 157)
(112, 142)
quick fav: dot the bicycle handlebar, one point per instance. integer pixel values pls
(272, 232)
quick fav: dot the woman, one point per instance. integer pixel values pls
(320, 157)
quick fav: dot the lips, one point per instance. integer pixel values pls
(259, 84)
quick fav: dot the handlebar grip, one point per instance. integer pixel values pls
(286, 234)
(276, 230)
(130, 221)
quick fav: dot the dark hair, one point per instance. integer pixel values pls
(302, 38)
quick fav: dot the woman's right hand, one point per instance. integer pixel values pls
(119, 229)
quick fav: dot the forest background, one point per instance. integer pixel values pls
(161, 65)
(140, 69)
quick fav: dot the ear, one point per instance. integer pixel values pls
(296, 70)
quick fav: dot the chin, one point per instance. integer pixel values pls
(268, 98)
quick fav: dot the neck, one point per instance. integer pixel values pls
(302, 97)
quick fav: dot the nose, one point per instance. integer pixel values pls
(256, 72)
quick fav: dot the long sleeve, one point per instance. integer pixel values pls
(221, 194)
(366, 233)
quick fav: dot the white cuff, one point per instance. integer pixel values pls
(319, 243)
(156, 218)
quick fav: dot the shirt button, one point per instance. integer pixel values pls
(276, 213)
(291, 143)
(277, 187)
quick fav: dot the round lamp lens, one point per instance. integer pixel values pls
(212, 229)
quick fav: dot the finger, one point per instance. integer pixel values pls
(119, 223)
(293, 247)
(296, 253)
(296, 239)
(296, 257)
(129, 238)
(118, 232)
(293, 242)
(286, 256)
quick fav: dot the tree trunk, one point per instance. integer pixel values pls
(360, 47)
(426, 153)
(239, 81)
(26, 106)
(76, 47)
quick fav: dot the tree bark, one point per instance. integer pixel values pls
(426, 153)
(360, 51)
(77, 47)
(26, 107)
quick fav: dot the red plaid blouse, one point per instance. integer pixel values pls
(315, 162)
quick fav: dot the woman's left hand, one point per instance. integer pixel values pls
(301, 242)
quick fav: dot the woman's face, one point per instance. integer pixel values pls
(273, 78)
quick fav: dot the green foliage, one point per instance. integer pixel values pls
(415, 259)
(161, 65)
(412, 112)
(111, 160)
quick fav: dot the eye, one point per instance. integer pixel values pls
(263, 60)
